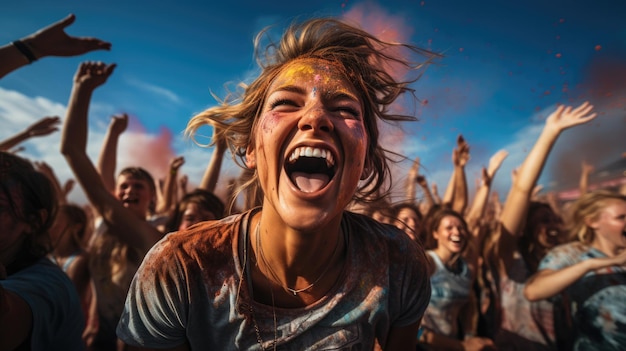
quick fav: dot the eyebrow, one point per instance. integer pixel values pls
(335, 96)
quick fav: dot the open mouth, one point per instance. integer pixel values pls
(310, 169)
(130, 201)
(456, 239)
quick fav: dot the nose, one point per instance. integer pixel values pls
(316, 119)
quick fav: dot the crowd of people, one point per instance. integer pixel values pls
(320, 255)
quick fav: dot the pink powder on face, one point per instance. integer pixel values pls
(269, 122)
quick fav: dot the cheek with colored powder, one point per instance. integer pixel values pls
(270, 120)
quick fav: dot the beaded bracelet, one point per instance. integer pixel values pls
(25, 50)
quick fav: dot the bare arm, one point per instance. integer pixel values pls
(107, 161)
(586, 170)
(48, 41)
(429, 199)
(460, 158)
(517, 201)
(477, 210)
(547, 282)
(411, 181)
(73, 145)
(435, 192)
(44, 126)
(169, 186)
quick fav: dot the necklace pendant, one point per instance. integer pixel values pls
(295, 293)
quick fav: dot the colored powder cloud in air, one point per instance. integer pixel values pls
(138, 147)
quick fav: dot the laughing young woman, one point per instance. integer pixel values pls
(299, 272)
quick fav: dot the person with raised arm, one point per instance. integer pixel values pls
(589, 273)
(42, 127)
(479, 205)
(123, 235)
(107, 159)
(48, 41)
(300, 272)
(455, 196)
(526, 232)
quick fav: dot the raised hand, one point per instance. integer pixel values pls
(176, 163)
(119, 123)
(496, 161)
(415, 170)
(44, 126)
(565, 117)
(587, 167)
(93, 74)
(53, 41)
(461, 155)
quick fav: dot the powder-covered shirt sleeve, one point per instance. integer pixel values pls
(155, 312)
(561, 256)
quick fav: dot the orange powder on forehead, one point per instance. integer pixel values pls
(313, 70)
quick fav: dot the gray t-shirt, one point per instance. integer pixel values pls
(58, 320)
(190, 289)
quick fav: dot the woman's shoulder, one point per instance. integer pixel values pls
(209, 237)
(573, 248)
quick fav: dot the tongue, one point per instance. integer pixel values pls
(309, 182)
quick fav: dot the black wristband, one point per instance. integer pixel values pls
(25, 50)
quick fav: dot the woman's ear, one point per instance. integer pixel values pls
(591, 222)
(250, 157)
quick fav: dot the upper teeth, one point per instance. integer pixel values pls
(312, 152)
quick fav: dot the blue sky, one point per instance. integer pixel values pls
(506, 65)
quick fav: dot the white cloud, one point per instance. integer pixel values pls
(155, 89)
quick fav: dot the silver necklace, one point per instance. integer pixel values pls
(256, 325)
(295, 292)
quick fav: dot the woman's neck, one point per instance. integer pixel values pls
(604, 246)
(449, 259)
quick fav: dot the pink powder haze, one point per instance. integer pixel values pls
(150, 151)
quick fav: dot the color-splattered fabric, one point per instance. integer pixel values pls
(58, 321)
(450, 293)
(190, 289)
(525, 325)
(596, 301)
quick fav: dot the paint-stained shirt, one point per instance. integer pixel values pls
(450, 293)
(190, 289)
(525, 325)
(596, 301)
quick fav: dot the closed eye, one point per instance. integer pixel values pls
(349, 110)
(282, 102)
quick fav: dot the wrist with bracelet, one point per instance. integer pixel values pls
(25, 50)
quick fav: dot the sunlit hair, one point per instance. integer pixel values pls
(25, 186)
(142, 174)
(205, 199)
(362, 58)
(588, 208)
(433, 220)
